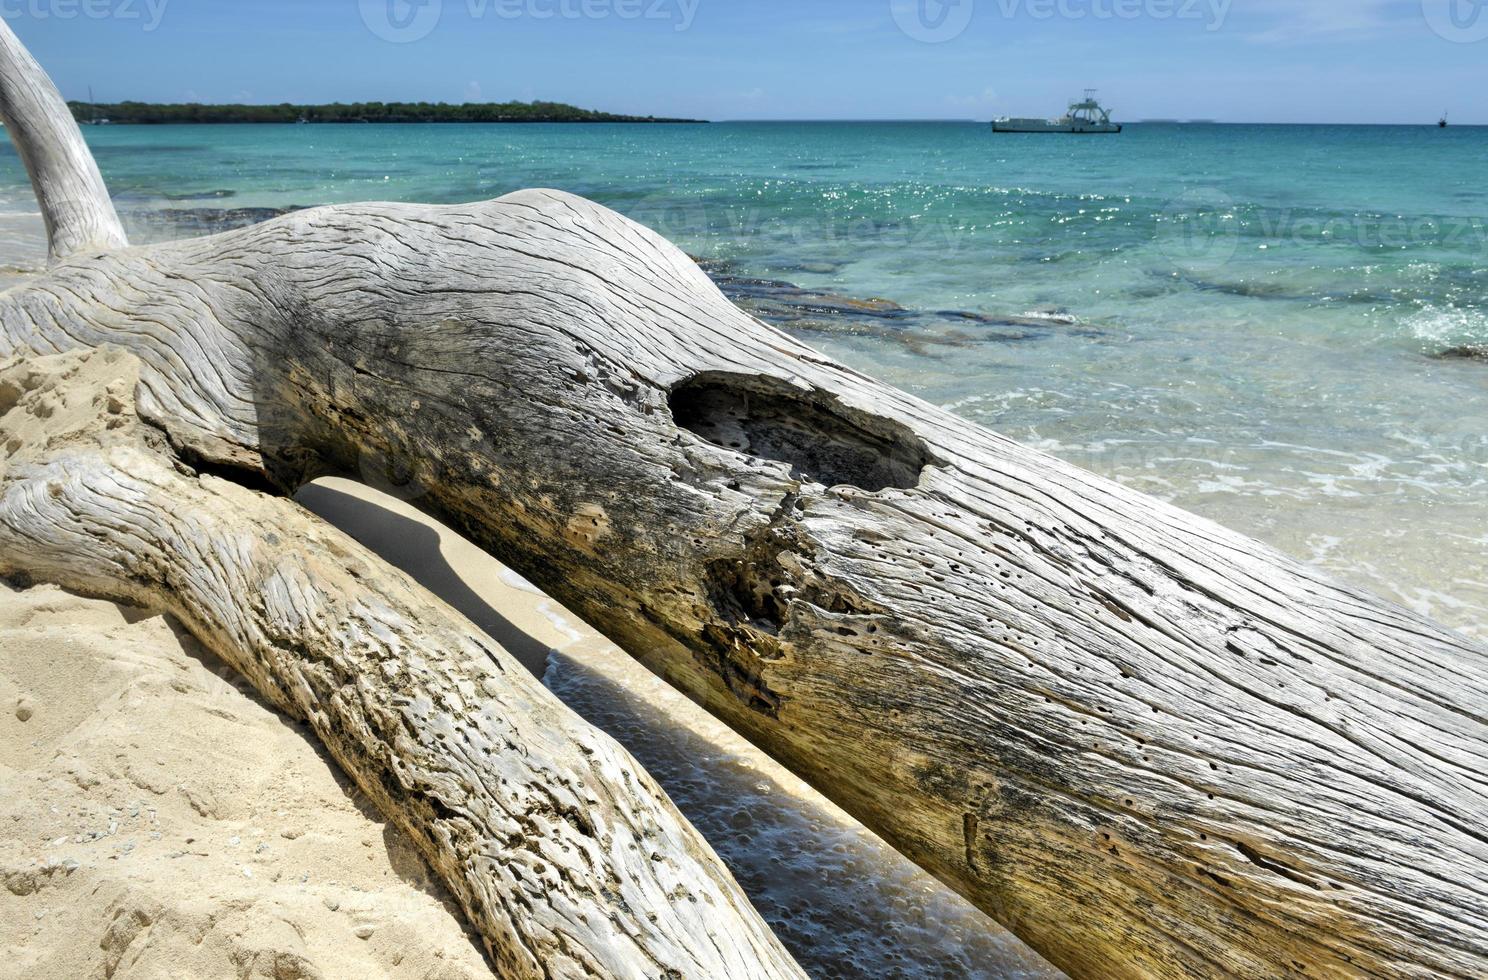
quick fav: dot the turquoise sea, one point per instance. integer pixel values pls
(1249, 321)
(1283, 328)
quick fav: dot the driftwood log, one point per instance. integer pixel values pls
(566, 857)
(1148, 745)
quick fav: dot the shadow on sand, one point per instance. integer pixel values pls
(414, 548)
(845, 903)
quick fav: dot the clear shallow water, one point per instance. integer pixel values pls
(1254, 310)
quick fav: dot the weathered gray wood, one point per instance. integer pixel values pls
(567, 858)
(1150, 746)
(1146, 744)
(74, 202)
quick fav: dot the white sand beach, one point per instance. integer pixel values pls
(160, 820)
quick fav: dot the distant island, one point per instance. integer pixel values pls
(147, 113)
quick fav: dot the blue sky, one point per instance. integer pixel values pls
(1233, 60)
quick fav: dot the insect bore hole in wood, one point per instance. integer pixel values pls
(819, 438)
(10, 396)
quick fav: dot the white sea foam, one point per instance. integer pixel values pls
(518, 582)
(1449, 326)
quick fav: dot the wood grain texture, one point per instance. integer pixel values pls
(74, 203)
(568, 860)
(1148, 745)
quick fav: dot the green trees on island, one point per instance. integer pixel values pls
(144, 113)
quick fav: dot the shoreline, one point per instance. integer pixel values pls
(90, 114)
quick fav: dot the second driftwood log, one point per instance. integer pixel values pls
(567, 858)
(1149, 745)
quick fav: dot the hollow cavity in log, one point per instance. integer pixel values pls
(821, 440)
(1055, 693)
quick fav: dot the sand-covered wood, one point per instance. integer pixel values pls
(1150, 746)
(566, 857)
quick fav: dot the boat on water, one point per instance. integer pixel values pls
(1443, 123)
(1085, 116)
(93, 118)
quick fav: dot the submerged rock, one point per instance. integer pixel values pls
(1465, 352)
(780, 303)
(804, 310)
(192, 222)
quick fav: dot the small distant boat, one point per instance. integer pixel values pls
(1443, 123)
(93, 117)
(1086, 116)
